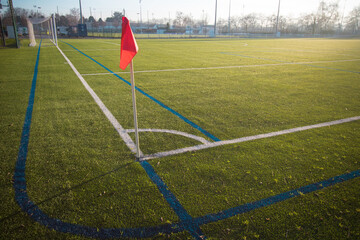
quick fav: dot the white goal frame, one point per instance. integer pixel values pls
(51, 27)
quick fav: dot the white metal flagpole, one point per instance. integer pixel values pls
(135, 111)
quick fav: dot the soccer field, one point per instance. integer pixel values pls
(241, 139)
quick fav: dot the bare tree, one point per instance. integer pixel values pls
(262, 21)
(222, 25)
(353, 21)
(325, 19)
(183, 20)
(205, 19)
(21, 15)
(248, 22)
(308, 23)
(63, 21)
(327, 16)
(188, 20)
(73, 17)
(235, 23)
(179, 19)
(272, 20)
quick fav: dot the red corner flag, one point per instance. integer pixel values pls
(129, 47)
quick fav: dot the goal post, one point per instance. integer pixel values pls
(42, 28)
(54, 30)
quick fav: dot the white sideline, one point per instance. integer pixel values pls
(245, 139)
(123, 134)
(223, 67)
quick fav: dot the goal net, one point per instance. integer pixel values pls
(41, 28)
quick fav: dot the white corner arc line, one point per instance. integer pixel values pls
(245, 139)
(123, 134)
(188, 135)
(223, 67)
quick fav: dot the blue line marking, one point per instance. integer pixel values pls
(304, 64)
(185, 218)
(277, 198)
(194, 125)
(19, 176)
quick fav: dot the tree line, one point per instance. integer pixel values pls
(326, 20)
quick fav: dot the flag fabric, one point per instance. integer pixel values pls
(129, 47)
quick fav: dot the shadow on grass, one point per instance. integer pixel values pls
(67, 190)
(9, 43)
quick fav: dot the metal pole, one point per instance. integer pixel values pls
(229, 15)
(277, 20)
(2, 33)
(140, 17)
(14, 23)
(135, 111)
(81, 18)
(215, 18)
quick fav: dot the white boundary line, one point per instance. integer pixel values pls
(245, 139)
(123, 134)
(223, 67)
(200, 139)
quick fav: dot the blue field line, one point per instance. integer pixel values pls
(19, 175)
(277, 198)
(304, 64)
(185, 219)
(194, 125)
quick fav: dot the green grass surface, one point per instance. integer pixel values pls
(80, 171)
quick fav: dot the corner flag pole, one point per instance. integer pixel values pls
(128, 50)
(134, 110)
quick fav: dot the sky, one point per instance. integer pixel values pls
(167, 8)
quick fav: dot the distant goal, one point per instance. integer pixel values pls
(42, 28)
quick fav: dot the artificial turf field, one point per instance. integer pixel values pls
(82, 176)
